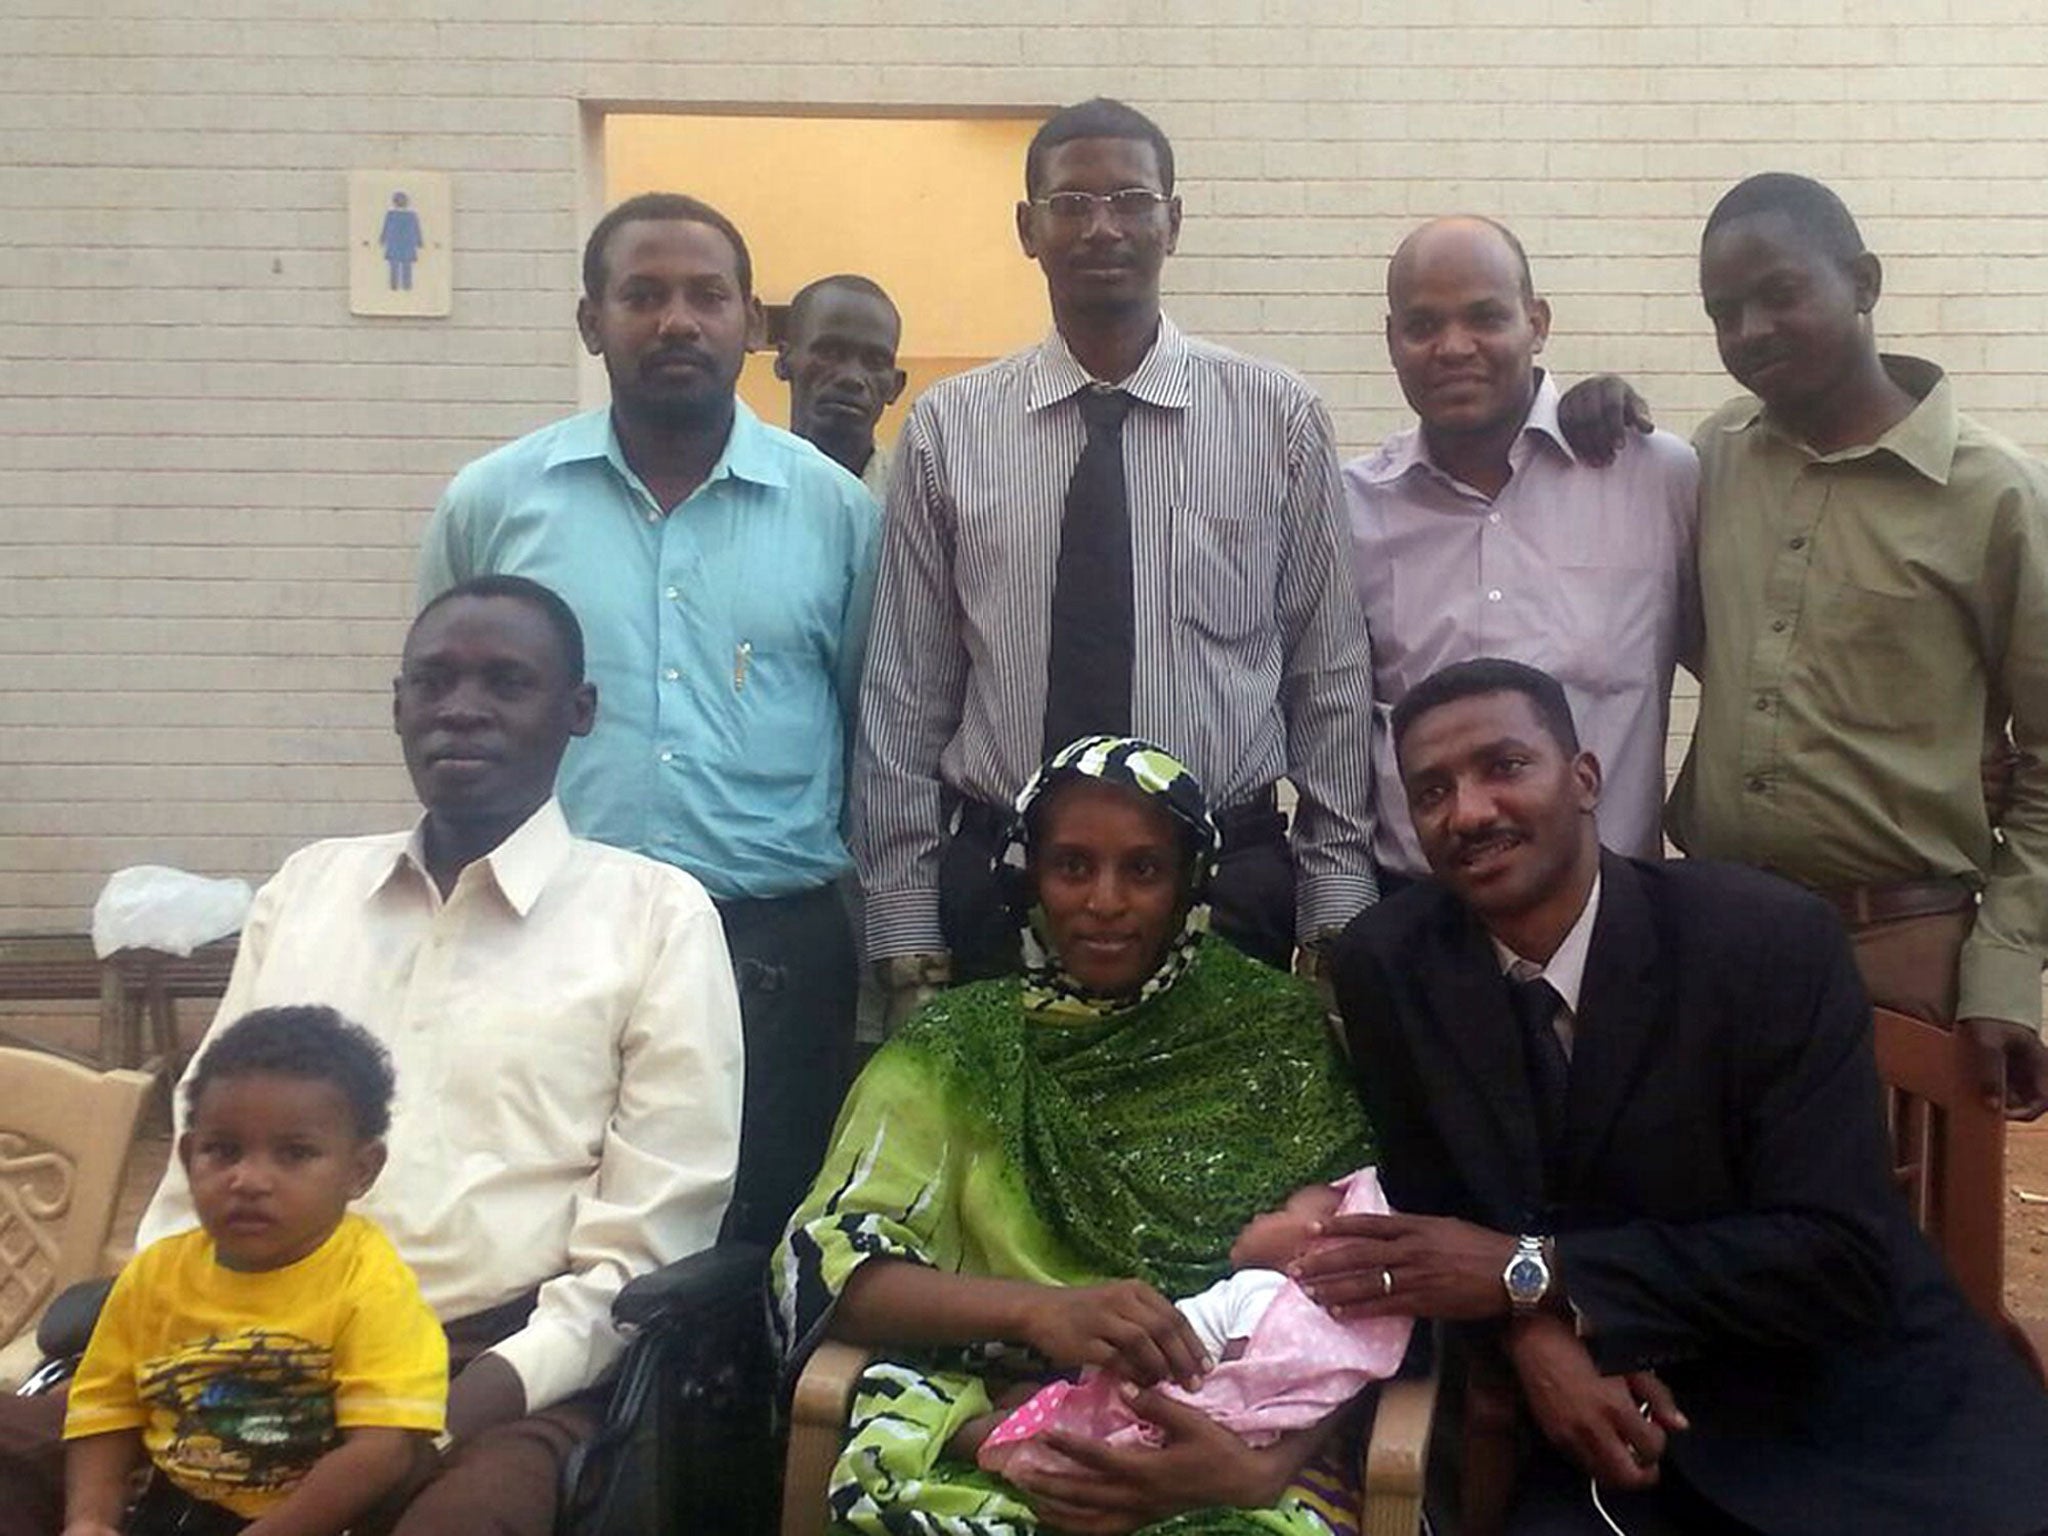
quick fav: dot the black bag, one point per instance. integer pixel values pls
(687, 1446)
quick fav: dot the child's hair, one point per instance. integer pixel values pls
(309, 1041)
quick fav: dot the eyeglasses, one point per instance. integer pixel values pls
(1127, 205)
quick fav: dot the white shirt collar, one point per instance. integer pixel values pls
(520, 866)
(1567, 968)
(1408, 451)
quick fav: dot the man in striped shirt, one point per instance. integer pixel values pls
(1241, 632)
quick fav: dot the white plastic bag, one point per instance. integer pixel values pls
(148, 906)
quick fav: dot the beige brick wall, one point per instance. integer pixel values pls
(213, 476)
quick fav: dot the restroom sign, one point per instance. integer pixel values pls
(401, 243)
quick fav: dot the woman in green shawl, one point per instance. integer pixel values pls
(1026, 1172)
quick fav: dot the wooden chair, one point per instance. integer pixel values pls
(1393, 1457)
(65, 1132)
(1948, 1155)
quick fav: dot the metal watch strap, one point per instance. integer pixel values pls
(1531, 1250)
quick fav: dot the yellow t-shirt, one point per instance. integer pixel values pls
(240, 1381)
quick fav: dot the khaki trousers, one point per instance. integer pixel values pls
(1909, 963)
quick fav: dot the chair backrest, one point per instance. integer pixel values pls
(65, 1132)
(1948, 1155)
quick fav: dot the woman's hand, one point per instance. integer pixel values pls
(1125, 1328)
(1202, 1465)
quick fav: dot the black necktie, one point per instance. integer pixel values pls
(1536, 1005)
(1088, 672)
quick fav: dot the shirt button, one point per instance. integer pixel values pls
(1777, 626)
(671, 673)
(1756, 786)
(653, 516)
(673, 594)
(1493, 596)
(1763, 704)
(1493, 517)
(667, 756)
(1799, 541)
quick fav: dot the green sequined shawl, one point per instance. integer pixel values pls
(1148, 1138)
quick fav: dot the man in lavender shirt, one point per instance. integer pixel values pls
(1478, 532)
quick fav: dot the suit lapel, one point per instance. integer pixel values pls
(1469, 1001)
(1619, 1016)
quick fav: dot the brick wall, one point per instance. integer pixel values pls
(213, 476)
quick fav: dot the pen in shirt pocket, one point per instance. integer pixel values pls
(742, 654)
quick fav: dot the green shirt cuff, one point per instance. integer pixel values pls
(1997, 982)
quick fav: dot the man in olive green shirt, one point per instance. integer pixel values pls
(1874, 569)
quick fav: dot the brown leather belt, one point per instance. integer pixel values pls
(1861, 905)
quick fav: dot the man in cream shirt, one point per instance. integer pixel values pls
(566, 1036)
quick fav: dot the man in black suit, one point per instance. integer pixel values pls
(1632, 1112)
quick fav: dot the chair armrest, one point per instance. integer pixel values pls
(824, 1392)
(1397, 1453)
(1395, 1470)
(817, 1429)
(66, 1328)
(710, 1280)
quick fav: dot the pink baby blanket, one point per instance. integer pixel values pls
(1298, 1365)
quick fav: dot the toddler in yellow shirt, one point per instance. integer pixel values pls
(278, 1367)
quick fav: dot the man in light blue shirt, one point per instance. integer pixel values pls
(723, 571)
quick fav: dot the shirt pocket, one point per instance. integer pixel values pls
(1226, 571)
(779, 703)
(1868, 659)
(784, 713)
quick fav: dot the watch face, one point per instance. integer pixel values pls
(1526, 1279)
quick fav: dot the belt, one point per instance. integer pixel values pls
(1254, 819)
(1861, 905)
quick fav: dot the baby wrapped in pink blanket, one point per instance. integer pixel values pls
(1295, 1365)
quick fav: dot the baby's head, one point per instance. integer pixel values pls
(1275, 1239)
(285, 1119)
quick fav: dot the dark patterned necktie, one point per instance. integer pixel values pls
(1088, 671)
(1536, 1005)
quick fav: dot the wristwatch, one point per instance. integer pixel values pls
(1527, 1277)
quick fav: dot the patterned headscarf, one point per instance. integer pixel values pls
(1160, 777)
